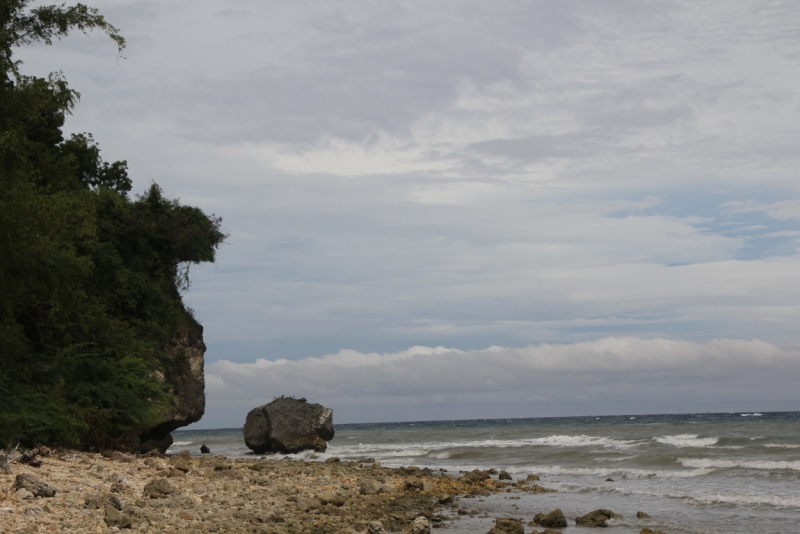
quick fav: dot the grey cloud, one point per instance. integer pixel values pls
(533, 380)
(466, 174)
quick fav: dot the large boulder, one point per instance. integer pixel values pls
(185, 380)
(288, 425)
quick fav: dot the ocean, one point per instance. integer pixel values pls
(692, 473)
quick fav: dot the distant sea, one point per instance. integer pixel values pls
(693, 473)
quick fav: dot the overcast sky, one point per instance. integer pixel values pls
(588, 207)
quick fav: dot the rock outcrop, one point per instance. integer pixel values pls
(554, 519)
(184, 379)
(597, 518)
(288, 425)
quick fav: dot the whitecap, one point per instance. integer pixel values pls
(686, 440)
(780, 446)
(705, 463)
(730, 498)
(754, 414)
(180, 443)
(604, 472)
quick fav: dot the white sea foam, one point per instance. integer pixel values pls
(706, 463)
(180, 443)
(780, 446)
(755, 414)
(421, 449)
(686, 440)
(603, 472)
(715, 498)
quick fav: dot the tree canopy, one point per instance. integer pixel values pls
(90, 277)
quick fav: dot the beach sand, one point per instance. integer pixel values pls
(180, 493)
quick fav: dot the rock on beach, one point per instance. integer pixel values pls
(288, 425)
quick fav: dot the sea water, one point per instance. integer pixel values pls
(693, 473)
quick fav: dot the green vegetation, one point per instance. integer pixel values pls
(90, 278)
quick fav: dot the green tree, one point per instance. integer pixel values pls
(90, 279)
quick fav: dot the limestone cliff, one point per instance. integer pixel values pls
(184, 379)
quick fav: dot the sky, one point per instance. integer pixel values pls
(454, 210)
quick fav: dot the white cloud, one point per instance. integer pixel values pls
(579, 378)
(782, 210)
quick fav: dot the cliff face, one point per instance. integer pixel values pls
(184, 378)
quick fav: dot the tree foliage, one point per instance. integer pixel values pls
(90, 278)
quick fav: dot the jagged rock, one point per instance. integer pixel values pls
(100, 500)
(184, 379)
(117, 456)
(642, 515)
(554, 519)
(331, 498)
(204, 449)
(5, 467)
(35, 485)
(180, 462)
(375, 527)
(157, 446)
(421, 525)
(507, 526)
(288, 425)
(475, 476)
(597, 518)
(24, 495)
(115, 518)
(158, 489)
(503, 475)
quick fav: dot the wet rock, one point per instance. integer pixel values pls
(648, 531)
(642, 515)
(204, 449)
(100, 500)
(475, 476)
(333, 460)
(545, 531)
(531, 478)
(609, 479)
(158, 489)
(597, 518)
(287, 425)
(445, 499)
(35, 485)
(421, 525)
(503, 475)
(375, 527)
(553, 519)
(115, 518)
(507, 526)
(413, 484)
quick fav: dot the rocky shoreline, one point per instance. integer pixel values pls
(73, 491)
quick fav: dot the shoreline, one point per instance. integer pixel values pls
(213, 493)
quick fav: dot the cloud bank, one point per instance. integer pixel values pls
(464, 174)
(607, 376)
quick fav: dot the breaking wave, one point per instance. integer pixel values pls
(686, 440)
